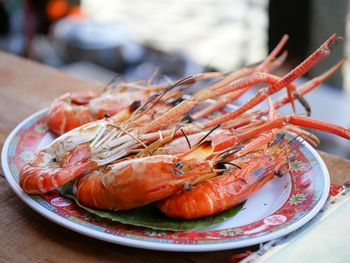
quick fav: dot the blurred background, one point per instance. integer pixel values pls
(95, 40)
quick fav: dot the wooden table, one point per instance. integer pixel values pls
(26, 87)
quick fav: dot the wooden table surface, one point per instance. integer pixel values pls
(26, 87)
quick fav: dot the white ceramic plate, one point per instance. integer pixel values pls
(281, 206)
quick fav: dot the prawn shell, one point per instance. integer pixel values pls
(223, 192)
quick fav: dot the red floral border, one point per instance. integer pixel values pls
(301, 199)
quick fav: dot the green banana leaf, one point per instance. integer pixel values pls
(149, 216)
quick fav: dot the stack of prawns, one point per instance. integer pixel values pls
(135, 143)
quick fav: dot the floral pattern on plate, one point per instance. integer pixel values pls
(309, 182)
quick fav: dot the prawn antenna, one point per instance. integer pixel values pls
(278, 139)
(222, 155)
(205, 136)
(304, 103)
(303, 139)
(187, 140)
(233, 164)
(117, 77)
(161, 95)
(294, 138)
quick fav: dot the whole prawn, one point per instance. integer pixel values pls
(137, 182)
(72, 110)
(69, 156)
(252, 167)
(236, 185)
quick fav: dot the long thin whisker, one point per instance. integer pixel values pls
(299, 135)
(180, 82)
(303, 102)
(205, 136)
(233, 164)
(187, 140)
(130, 134)
(300, 143)
(98, 137)
(153, 75)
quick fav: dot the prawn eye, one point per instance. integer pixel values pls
(187, 119)
(135, 105)
(106, 116)
(179, 165)
(279, 173)
(222, 167)
(187, 186)
(176, 102)
(178, 168)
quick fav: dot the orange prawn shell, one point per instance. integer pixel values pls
(64, 115)
(223, 192)
(133, 183)
(125, 184)
(113, 104)
(180, 145)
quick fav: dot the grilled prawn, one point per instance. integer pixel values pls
(137, 182)
(234, 186)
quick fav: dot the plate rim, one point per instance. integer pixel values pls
(153, 245)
